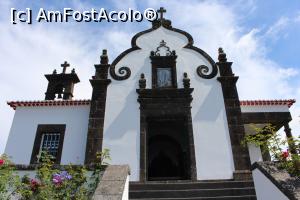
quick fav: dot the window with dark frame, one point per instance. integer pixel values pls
(49, 138)
(50, 143)
(164, 77)
(163, 67)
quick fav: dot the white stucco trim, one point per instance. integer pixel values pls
(265, 108)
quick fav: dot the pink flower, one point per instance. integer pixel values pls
(57, 179)
(2, 162)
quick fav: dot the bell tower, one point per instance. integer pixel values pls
(61, 85)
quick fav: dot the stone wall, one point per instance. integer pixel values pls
(114, 183)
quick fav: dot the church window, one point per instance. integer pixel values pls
(48, 138)
(164, 77)
(163, 67)
(50, 143)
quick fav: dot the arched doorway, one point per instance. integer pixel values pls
(165, 158)
(167, 151)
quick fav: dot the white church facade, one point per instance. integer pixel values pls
(163, 106)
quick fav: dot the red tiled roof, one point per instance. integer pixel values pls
(288, 102)
(15, 104)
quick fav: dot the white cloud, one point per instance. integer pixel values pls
(288, 72)
(276, 29)
(124, 5)
(28, 52)
(280, 28)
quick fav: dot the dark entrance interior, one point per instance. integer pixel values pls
(168, 150)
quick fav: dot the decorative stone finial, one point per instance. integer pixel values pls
(222, 55)
(104, 57)
(186, 81)
(73, 71)
(54, 72)
(142, 82)
(162, 44)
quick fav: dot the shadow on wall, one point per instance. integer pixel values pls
(124, 121)
(211, 106)
(129, 117)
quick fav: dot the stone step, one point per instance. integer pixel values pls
(244, 197)
(185, 193)
(189, 185)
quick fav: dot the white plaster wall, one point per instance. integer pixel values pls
(29, 173)
(121, 128)
(255, 153)
(265, 189)
(266, 108)
(26, 120)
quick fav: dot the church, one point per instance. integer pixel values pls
(164, 107)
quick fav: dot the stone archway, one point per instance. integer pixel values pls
(167, 112)
(165, 159)
(167, 151)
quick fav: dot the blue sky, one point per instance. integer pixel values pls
(260, 37)
(283, 48)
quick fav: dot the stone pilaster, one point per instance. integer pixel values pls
(99, 83)
(234, 117)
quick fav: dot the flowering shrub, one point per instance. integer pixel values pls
(271, 142)
(59, 178)
(2, 161)
(285, 155)
(9, 181)
(34, 185)
(50, 183)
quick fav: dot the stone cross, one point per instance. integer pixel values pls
(64, 66)
(161, 11)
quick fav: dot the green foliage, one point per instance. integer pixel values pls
(9, 181)
(50, 183)
(270, 140)
(101, 162)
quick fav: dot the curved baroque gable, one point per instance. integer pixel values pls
(124, 72)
